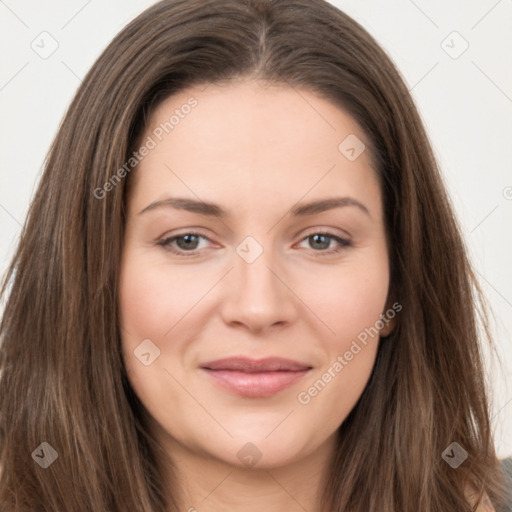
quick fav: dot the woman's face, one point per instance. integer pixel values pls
(273, 276)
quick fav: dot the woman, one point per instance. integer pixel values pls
(176, 339)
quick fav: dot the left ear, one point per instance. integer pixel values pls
(389, 318)
(388, 328)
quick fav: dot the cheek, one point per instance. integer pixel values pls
(347, 299)
(142, 300)
(146, 313)
(153, 299)
(350, 302)
(157, 303)
(148, 308)
(335, 387)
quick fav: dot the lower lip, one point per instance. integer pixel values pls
(255, 385)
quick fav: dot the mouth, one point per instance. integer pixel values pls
(255, 378)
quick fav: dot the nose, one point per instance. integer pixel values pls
(258, 296)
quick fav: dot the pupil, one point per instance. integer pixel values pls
(186, 238)
(324, 245)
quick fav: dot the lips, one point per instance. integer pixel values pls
(255, 378)
(243, 364)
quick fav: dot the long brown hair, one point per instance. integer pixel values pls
(63, 381)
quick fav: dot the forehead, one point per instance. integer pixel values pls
(253, 140)
(253, 117)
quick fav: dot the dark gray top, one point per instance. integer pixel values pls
(507, 467)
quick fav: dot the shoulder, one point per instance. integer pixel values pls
(485, 504)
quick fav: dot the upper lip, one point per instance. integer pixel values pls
(247, 365)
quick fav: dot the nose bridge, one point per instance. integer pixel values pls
(257, 296)
(253, 269)
(255, 276)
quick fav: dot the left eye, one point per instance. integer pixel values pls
(324, 241)
(187, 244)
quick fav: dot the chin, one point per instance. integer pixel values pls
(262, 451)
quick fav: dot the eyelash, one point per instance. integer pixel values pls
(166, 243)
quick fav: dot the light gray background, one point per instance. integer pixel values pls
(465, 99)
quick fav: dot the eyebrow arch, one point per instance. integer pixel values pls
(212, 209)
(323, 205)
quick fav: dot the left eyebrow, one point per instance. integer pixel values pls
(323, 205)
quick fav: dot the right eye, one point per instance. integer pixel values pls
(186, 242)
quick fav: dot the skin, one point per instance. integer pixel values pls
(256, 151)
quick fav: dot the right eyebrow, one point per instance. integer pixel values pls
(191, 205)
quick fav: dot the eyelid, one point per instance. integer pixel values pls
(342, 242)
(166, 238)
(326, 231)
(183, 232)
